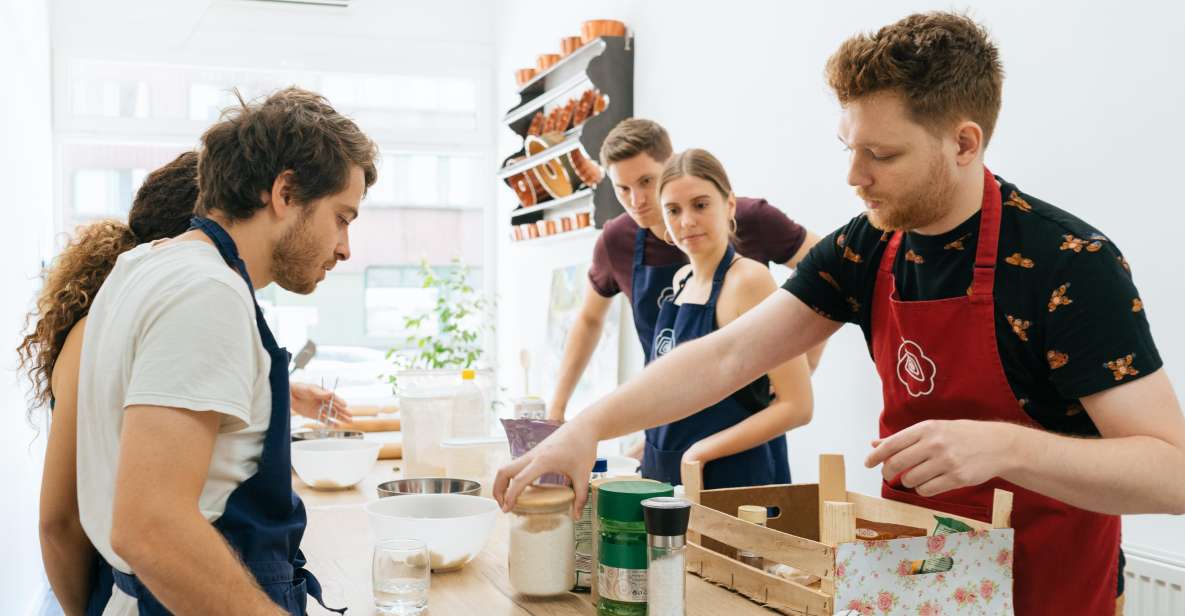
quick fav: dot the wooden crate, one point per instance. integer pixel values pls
(813, 521)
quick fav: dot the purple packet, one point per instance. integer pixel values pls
(524, 434)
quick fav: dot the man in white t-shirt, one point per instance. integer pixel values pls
(183, 422)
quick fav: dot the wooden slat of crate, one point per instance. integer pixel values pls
(772, 591)
(773, 545)
(882, 510)
(797, 504)
(832, 485)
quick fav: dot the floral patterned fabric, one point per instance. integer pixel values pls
(874, 578)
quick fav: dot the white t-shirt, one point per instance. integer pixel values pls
(172, 326)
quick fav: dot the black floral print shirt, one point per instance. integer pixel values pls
(1069, 321)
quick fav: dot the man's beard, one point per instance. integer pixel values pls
(296, 264)
(922, 206)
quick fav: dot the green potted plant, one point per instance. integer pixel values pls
(449, 337)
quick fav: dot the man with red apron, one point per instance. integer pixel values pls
(938, 359)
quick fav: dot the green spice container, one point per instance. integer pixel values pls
(621, 565)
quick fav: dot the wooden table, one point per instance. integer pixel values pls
(338, 546)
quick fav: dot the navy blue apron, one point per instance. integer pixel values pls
(764, 464)
(264, 519)
(648, 287)
(101, 581)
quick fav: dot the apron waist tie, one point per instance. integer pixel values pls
(265, 573)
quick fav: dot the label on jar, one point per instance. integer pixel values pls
(625, 585)
(584, 547)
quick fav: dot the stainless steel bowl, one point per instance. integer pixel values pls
(429, 485)
(309, 435)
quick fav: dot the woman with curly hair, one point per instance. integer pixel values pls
(49, 355)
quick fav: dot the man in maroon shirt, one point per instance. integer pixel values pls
(633, 254)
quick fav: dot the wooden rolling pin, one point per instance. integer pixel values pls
(391, 451)
(368, 424)
(371, 410)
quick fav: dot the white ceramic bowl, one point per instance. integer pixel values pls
(334, 463)
(455, 527)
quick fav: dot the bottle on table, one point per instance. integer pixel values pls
(666, 536)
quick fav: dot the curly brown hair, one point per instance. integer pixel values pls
(944, 65)
(162, 208)
(292, 130)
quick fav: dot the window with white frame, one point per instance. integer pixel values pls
(117, 121)
(427, 179)
(396, 293)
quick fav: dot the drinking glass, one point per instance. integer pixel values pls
(401, 572)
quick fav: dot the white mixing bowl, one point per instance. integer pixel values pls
(334, 463)
(455, 527)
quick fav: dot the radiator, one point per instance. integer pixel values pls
(1154, 584)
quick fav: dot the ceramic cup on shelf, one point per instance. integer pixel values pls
(569, 44)
(566, 224)
(596, 28)
(532, 230)
(549, 227)
(523, 75)
(582, 220)
(547, 60)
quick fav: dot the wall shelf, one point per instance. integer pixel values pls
(575, 62)
(577, 198)
(559, 237)
(606, 64)
(538, 102)
(571, 142)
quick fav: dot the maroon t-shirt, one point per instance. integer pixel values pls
(764, 234)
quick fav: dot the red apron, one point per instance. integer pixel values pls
(939, 360)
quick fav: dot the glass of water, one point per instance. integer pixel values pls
(401, 572)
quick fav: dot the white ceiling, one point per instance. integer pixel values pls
(171, 30)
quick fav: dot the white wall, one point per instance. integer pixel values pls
(26, 175)
(369, 35)
(1090, 123)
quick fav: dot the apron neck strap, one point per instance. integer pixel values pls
(639, 248)
(721, 271)
(682, 285)
(989, 238)
(225, 245)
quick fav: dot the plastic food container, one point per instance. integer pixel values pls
(426, 415)
(477, 458)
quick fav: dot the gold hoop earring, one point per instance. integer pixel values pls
(734, 225)
(666, 237)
